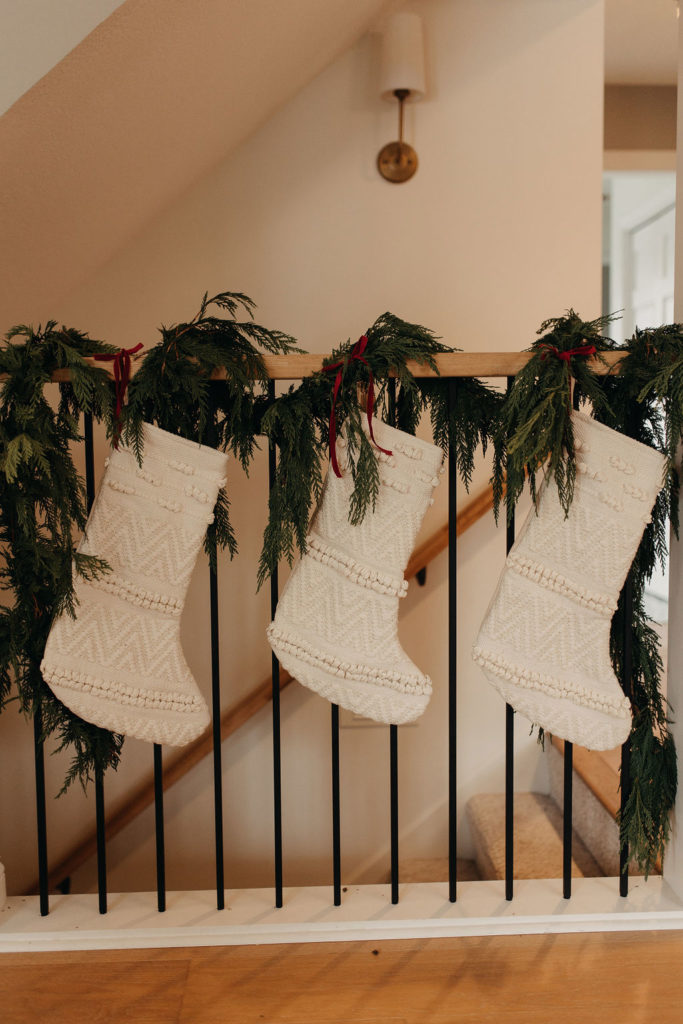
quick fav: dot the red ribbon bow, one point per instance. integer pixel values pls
(356, 353)
(122, 363)
(582, 350)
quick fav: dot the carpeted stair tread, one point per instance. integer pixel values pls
(435, 869)
(537, 838)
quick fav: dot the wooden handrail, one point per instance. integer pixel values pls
(245, 709)
(450, 364)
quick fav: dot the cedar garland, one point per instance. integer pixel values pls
(298, 423)
(42, 509)
(645, 401)
(174, 390)
(534, 432)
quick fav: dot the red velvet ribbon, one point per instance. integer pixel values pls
(122, 363)
(356, 353)
(582, 350)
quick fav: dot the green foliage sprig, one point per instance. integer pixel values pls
(644, 400)
(464, 414)
(42, 504)
(298, 422)
(534, 431)
(654, 376)
(176, 388)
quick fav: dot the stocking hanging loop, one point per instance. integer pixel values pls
(582, 350)
(122, 365)
(356, 353)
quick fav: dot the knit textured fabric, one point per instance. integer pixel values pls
(336, 624)
(119, 663)
(544, 643)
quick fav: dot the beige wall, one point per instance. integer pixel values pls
(499, 229)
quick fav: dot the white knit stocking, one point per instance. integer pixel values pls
(335, 629)
(119, 664)
(544, 643)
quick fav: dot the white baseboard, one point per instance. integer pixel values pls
(424, 911)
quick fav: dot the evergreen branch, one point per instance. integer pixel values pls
(644, 400)
(42, 507)
(174, 389)
(534, 429)
(463, 416)
(298, 423)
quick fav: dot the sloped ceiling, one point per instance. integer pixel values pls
(37, 34)
(152, 98)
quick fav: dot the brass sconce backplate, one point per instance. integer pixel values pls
(397, 161)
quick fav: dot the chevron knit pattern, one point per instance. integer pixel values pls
(544, 643)
(336, 625)
(119, 664)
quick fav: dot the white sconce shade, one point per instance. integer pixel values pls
(402, 64)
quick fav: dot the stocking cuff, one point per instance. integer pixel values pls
(182, 456)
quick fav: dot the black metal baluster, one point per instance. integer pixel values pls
(89, 459)
(509, 800)
(159, 827)
(452, 657)
(41, 811)
(393, 729)
(393, 792)
(99, 776)
(509, 739)
(101, 842)
(626, 685)
(275, 670)
(336, 819)
(216, 731)
(216, 738)
(567, 820)
(568, 788)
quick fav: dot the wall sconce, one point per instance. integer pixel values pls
(402, 77)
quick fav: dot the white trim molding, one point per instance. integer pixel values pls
(308, 915)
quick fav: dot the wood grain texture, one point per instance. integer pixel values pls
(450, 364)
(123, 991)
(632, 978)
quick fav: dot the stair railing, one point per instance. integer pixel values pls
(451, 367)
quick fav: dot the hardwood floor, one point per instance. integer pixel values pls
(629, 978)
